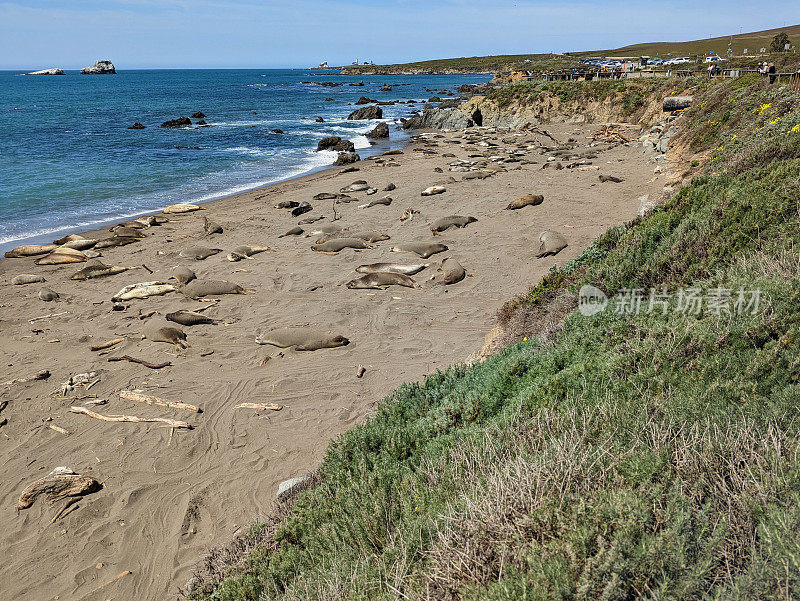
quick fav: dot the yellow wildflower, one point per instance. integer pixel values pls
(795, 129)
(764, 107)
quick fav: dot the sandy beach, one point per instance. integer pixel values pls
(169, 495)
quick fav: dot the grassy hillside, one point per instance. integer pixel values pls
(752, 41)
(652, 455)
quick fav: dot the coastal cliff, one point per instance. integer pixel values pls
(101, 67)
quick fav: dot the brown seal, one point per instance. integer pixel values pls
(529, 200)
(423, 249)
(550, 243)
(338, 244)
(381, 280)
(200, 288)
(302, 339)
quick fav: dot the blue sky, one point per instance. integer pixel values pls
(297, 33)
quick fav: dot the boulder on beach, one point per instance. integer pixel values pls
(346, 158)
(380, 132)
(136, 125)
(101, 67)
(335, 143)
(47, 72)
(179, 122)
(367, 112)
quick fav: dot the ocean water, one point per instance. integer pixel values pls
(68, 161)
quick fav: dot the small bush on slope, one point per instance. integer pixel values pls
(649, 456)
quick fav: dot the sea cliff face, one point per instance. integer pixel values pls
(101, 67)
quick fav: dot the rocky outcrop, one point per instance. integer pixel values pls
(346, 158)
(367, 112)
(136, 125)
(47, 72)
(335, 143)
(198, 115)
(101, 67)
(365, 100)
(380, 132)
(179, 122)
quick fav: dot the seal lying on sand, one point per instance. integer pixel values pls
(392, 268)
(82, 244)
(48, 295)
(386, 200)
(29, 250)
(295, 231)
(365, 236)
(445, 223)
(329, 228)
(211, 227)
(27, 278)
(69, 238)
(199, 253)
(189, 318)
(529, 200)
(158, 331)
(433, 190)
(550, 243)
(129, 232)
(184, 275)
(245, 252)
(115, 241)
(97, 269)
(357, 186)
(143, 290)
(380, 280)
(180, 207)
(302, 339)
(423, 249)
(337, 244)
(61, 256)
(452, 272)
(200, 288)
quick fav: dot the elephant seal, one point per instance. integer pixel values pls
(356, 186)
(611, 178)
(143, 290)
(61, 256)
(529, 200)
(199, 253)
(301, 338)
(158, 331)
(386, 201)
(189, 318)
(69, 238)
(82, 244)
(302, 208)
(183, 275)
(245, 252)
(368, 237)
(445, 223)
(433, 190)
(115, 241)
(211, 227)
(181, 207)
(380, 280)
(48, 295)
(27, 278)
(550, 243)
(338, 244)
(200, 288)
(452, 272)
(330, 228)
(129, 232)
(295, 231)
(97, 270)
(392, 268)
(287, 204)
(30, 250)
(423, 249)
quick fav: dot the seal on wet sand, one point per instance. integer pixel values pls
(380, 280)
(61, 256)
(115, 241)
(392, 268)
(423, 249)
(338, 244)
(445, 223)
(180, 207)
(189, 318)
(301, 338)
(529, 200)
(550, 243)
(245, 252)
(29, 250)
(200, 288)
(211, 227)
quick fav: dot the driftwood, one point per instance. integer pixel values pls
(140, 397)
(58, 429)
(105, 345)
(42, 375)
(140, 362)
(35, 319)
(63, 511)
(59, 484)
(102, 586)
(259, 406)
(170, 423)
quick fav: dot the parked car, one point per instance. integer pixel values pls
(714, 59)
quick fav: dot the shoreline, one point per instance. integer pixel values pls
(46, 238)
